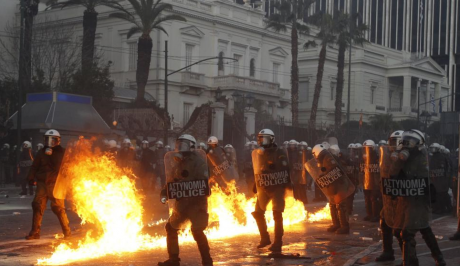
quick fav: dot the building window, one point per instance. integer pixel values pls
(275, 72)
(236, 64)
(400, 100)
(304, 90)
(132, 56)
(187, 112)
(188, 55)
(252, 67)
(372, 94)
(220, 64)
(333, 84)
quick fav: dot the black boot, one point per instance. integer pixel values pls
(335, 219)
(343, 218)
(456, 236)
(170, 262)
(279, 232)
(432, 244)
(409, 253)
(36, 222)
(62, 217)
(376, 208)
(262, 225)
(387, 239)
(203, 247)
(172, 244)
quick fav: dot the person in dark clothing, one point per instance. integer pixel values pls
(146, 167)
(44, 171)
(25, 162)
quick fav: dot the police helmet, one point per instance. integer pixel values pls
(266, 137)
(159, 144)
(334, 149)
(185, 142)
(318, 149)
(27, 145)
(145, 144)
(435, 147)
(39, 146)
(326, 145)
(395, 138)
(213, 141)
(112, 144)
(413, 138)
(52, 138)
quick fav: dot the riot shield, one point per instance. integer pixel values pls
(371, 169)
(187, 184)
(330, 177)
(63, 181)
(221, 168)
(230, 153)
(271, 169)
(296, 166)
(387, 170)
(438, 173)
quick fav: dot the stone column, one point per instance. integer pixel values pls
(217, 124)
(437, 94)
(231, 105)
(275, 110)
(406, 107)
(428, 106)
(250, 118)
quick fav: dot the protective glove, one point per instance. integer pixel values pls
(404, 155)
(163, 200)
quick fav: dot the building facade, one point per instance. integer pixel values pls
(391, 74)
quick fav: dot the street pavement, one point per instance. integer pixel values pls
(310, 240)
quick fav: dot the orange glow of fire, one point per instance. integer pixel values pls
(106, 196)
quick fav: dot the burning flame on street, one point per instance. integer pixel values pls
(106, 196)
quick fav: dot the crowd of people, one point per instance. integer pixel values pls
(403, 180)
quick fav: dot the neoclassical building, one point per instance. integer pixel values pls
(390, 74)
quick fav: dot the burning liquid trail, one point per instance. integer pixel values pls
(106, 196)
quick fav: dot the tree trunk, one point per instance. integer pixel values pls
(89, 36)
(339, 88)
(294, 78)
(319, 78)
(27, 67)
(144, 53)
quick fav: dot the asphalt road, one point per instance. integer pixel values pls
(310, 240)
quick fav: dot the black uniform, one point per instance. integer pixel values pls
(159, 161)
(371, 184)
(25, 162)
(440, 174)
(45, 170)
(248, 171)
(146, 170)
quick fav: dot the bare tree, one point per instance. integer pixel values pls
(55, 52)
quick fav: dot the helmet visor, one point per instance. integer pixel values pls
(145, 145)
(52, 141)
(410, 142)
(263, 140)
(183, 145)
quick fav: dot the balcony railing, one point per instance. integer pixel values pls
(248, 84)
(193, 78)
(395, 110)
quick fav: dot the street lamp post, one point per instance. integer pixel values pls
(167, 74)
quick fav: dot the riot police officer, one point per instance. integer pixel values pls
(440, 178)
(387, 169)
(372, 196)
(337, 186)
(248, 169)
(186, 165)
(126, 155)
(146, 167)
(413, 206)
(4, 163)
(222, 166)
(25, 162)
(295, 156)
(271, 171)
(44, 171)
(159, 161)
